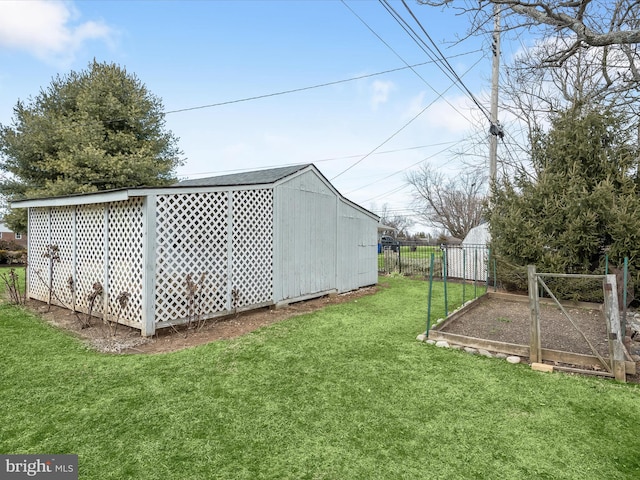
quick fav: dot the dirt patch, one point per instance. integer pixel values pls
(101, 337)
(509, 321)
(503, 320)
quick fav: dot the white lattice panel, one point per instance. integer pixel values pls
(90, 251)
(252, 262)
(38, 265)
(191, 238)
(62, 237)
(126, 232)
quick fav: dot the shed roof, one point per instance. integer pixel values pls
(269, 176)
(255, 177)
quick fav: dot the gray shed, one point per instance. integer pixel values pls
(261, 238)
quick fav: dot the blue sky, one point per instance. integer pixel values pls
(194, 53)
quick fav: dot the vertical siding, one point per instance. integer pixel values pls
(357, 249)
(305, 237)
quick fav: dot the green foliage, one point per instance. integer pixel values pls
(96, 129)
(582, 204)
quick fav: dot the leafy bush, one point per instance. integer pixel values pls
(11, 246)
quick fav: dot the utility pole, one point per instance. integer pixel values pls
(496, 129)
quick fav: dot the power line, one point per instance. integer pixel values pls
(273, 94)
(402, 170)
(384, 194)
(417, 40)
(384, 142)
(401, 128)
(294, 90)
(397, 189)
(417, 147)
(442, 60)
(440, 95)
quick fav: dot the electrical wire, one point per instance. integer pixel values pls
(440, 95)
(402, 170)
(435, 56)
(397, 189)
(295, 90)
(446, 63)
(331, 159)
(401, 128)
(384, 194)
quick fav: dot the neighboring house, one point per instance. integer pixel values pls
(247, 240)
(8, 235)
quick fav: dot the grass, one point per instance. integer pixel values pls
(343, 393)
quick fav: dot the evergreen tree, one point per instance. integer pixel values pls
(92, 130)
(581, 204)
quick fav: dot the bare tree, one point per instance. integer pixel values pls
(453, 204)
(532, 93)
(580, 24)
(399, 223)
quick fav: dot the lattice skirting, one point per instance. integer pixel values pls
(174, 257)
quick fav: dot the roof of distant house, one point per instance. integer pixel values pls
(4, 228)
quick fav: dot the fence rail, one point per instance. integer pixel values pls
(464, 262)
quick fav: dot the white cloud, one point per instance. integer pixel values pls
(453, 114)
(380, 92)
(47, 30)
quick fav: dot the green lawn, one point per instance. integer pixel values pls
(343, 393)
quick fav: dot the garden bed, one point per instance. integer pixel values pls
(501, 322)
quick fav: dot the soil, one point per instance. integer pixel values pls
(126, 340)
(502, 320)
(509, 321)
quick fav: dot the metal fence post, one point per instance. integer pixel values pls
(464, 272)
(625, 275)
(430, 292)
(444, 276)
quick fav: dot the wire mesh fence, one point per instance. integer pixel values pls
(475, 267)
(463, 262)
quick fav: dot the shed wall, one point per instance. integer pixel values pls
(357, 249)
(241, 247)
(305, 237)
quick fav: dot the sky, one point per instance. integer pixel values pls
(364, 135)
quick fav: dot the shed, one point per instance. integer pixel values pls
(478, 235)
(261, 238)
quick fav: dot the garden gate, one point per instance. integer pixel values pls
(616, 364)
